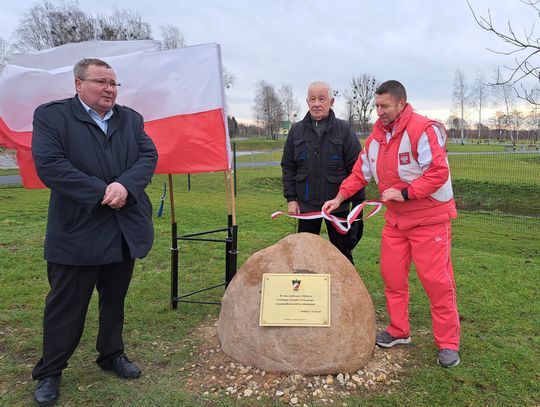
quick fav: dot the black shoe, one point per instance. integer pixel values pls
(122, 366)
(47, 390)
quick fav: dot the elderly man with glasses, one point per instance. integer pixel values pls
(97, 160)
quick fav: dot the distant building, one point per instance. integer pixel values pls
(284, 128)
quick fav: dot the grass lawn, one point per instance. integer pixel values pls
(258, 144)
(497, 274)
(11, 171)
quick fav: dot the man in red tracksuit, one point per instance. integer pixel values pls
(406, 155)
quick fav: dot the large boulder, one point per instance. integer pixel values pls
(345, 346)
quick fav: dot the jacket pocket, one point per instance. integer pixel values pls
(302, 186)
(300, 151)
(336, 171)
(332, 185)
(335, 150)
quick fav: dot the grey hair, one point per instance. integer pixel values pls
(80, 68)
(322, 83)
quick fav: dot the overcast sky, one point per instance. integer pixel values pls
(298, 42)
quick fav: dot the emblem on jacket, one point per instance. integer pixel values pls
(296, 284)
(404, 158)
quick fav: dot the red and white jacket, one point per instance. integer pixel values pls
(412, 156)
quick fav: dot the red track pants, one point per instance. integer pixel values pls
(429, 247)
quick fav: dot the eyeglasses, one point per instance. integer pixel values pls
(102, 82)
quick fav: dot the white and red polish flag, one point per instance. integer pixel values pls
(179, 92)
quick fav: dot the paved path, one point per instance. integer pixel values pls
(10, 180)
(258, 164)
(7, 161)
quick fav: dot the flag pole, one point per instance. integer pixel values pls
(171, 198)
(227, 194)
(232, 229)
(174, 248)
(231, 195)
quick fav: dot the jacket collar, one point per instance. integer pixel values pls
(82, 115)
(331, 118)
(398, 127)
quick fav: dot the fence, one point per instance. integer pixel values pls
(498, 183)
(501, 183)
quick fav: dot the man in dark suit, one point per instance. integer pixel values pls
(97, 160)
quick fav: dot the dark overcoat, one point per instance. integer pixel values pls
(77, 160)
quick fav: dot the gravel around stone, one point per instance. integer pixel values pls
(211, 372)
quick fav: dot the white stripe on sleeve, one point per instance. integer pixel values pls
(424, 152)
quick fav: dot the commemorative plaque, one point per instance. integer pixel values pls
(295, 300)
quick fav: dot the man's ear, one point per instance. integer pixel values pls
(78, 84)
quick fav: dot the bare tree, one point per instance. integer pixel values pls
(268, 109)
(5, 50)
(453, 125)
(48, 25)
(517, 120)
(480, 97)
(122, 25)
(460, 98)
(248, 130)
(228, 78)
(524, 49)
(533, 122)
(228, 82)
(360, 97)
(504, 96)
(172, 37)
(350, 114)
(291, 107)
(499, 122)
(232, 125)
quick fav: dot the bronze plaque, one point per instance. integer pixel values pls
(295, 300)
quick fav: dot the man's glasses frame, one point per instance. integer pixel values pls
(101, 82)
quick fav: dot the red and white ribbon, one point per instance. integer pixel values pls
(340, 224)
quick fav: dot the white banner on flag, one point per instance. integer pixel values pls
(157, 84)
(69, 54)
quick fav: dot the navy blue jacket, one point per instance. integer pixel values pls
(76, 160)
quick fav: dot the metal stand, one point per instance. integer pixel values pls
(231, 250)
